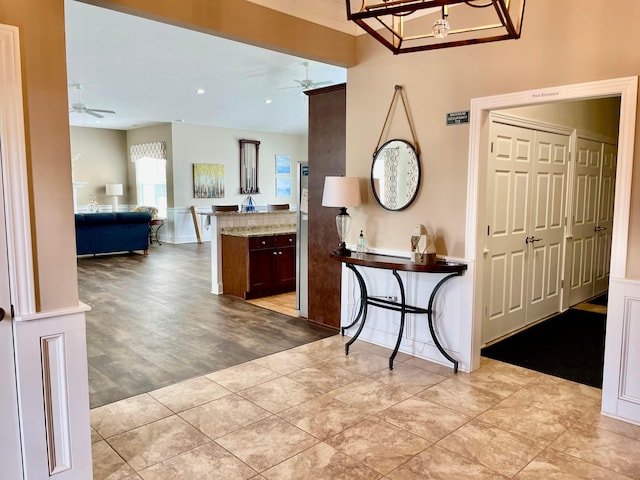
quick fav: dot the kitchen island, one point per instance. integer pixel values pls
(259, 261)
(243, 225)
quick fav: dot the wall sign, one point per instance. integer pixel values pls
(456, 118)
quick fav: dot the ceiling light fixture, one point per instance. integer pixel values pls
(268, 101)
(200, 91)
(405, 26)
(441, 26)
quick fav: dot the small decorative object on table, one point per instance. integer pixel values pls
(93, 205)
(361, 248)
(423, 248)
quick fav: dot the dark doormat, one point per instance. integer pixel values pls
(569, 345)
(601, 300)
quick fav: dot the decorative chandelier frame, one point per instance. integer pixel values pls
(405, 26)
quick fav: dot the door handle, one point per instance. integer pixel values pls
(2, 313)
(531, 239)
(599, 229)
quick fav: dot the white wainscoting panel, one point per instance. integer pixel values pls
(621, 383)
(51, 368)
(56, 413)
(452, 307)
(630, 388)
(180, 229)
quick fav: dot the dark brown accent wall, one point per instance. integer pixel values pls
(327, 138)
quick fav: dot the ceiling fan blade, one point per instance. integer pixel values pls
(101, 111)
(319, 84)
(93, 114)
(289, 88)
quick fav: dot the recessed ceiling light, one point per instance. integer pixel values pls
(267, 101)
(200, 91)
(180, 120)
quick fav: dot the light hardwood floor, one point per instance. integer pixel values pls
(153, 322)
(283, 303)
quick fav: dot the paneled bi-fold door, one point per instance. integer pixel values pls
(591, 219)
(526, 185)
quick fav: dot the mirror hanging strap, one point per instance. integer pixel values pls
(398, 91)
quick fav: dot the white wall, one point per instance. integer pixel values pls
(202, 144)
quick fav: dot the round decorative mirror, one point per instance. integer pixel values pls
(395, 174)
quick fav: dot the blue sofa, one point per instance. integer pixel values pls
(112, 232)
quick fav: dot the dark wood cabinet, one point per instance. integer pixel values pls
(257, 266)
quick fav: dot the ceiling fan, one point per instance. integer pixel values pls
(80, 107)
(307, 83)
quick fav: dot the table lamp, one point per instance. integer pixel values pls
(114, 190)
(341, 192)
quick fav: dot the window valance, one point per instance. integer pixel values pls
(150, 150)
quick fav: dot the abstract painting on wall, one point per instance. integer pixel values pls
(283, 186)
(208, 180)
(283, 165)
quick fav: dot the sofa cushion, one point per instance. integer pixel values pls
(133, 217)
(98, 218)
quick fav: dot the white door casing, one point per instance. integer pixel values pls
(619, 348)
(526, 185)
(51, 385)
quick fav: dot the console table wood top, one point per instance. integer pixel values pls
(390, 262)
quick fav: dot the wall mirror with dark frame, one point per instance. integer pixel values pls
(249, 156)
(395, 174)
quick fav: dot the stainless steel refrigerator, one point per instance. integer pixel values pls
(302, 241)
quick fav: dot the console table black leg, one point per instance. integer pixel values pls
(362, 314)
(343, 329)
(402, 315)
(430, 320)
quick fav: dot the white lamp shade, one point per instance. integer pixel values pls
(114, 189)
(341, 192)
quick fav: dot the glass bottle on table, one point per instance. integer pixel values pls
(362, 245)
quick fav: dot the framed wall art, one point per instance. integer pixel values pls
(208, 180)
(283, 164)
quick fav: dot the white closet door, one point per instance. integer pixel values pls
(508, 191)
(526, 185)
(546, 229)
(605, 218)
(584, 219)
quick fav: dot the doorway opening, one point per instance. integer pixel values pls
(626, 88)
(549, 210)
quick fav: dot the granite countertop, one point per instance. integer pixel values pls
(259, 230)
(241, 213)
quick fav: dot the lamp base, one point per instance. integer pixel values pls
(342, 250)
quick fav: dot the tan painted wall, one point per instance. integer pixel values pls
(562, 43)
(41, 25)
(102, 159)
(599, 116)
